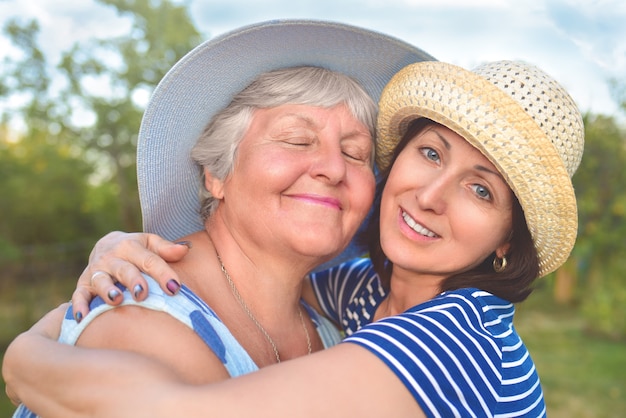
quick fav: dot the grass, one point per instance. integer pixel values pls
(582, 375)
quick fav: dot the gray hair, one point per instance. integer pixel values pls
(217, 146)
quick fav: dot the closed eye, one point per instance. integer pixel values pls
(357, 155)
(298, 141)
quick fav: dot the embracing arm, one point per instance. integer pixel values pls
(67, 381)
(151, 334)
(47, 329)
(54, 379)
(346, 380)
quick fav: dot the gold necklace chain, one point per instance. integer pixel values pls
(247, 310)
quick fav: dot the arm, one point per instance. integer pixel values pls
(151, 334)
(345, 380)
(33, 359)
(123, 256)
(48, 328)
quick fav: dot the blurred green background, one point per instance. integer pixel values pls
(63, 186)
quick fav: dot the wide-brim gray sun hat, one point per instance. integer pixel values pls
(519, 117)
(205, 80)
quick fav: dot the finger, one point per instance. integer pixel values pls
(168, 250)
(151, 255)
(122, 256)
(85, 292)
(80, 303)
(113, 255)
(130, 255)
(129, 259)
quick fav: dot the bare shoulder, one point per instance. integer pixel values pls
(156, 335)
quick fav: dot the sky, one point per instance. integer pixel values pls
(582, 43)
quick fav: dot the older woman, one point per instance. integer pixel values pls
(476, 204)
(286, 164)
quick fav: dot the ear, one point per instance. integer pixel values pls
(503, 249)
(214, 185)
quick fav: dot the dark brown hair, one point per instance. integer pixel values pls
(513, 284)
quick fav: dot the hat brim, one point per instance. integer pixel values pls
(205, 80)
(498, 126)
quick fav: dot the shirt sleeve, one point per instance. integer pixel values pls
(448, 357)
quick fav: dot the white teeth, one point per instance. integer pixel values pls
(417, 227)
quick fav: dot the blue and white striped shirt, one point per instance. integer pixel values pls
(458, 354)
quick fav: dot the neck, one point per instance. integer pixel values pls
(408, 289)
(273, 299)
(258, 273)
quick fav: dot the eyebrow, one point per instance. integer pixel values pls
(442, 139)
(488, 170)
(312, 123)
(299, 116)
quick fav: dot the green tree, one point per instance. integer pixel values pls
(65, 180)
(44, 174)
(599, 255)
(161, 33)
(48, 185)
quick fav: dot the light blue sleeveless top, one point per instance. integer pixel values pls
(197, 315)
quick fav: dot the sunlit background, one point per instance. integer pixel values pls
(71, 103)
(580, 42)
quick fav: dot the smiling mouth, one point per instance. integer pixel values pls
(417, 227)
(319, 200)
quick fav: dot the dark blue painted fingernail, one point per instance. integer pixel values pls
(113, 294)
(187, 244)
(173, 286)
(137, 290)
(78, 316)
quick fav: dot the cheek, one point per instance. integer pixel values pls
(363, 189)
(388, 217)
(270, 170)
(493, 226)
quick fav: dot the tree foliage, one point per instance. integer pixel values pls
(70, 172)
(161, 33)
(600, 184)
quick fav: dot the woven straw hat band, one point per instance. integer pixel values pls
(522, 120)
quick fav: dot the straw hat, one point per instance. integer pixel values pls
(205, 80)
(520, 118)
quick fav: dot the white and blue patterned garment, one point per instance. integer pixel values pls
(197, 315)
(458, 354)
(349, 293)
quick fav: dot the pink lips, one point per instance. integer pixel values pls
(319, 200)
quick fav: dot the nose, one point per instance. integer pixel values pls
(329, 164)
(434, 193)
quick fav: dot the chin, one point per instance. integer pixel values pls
(316, 248)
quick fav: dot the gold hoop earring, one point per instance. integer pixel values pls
(499, 264)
